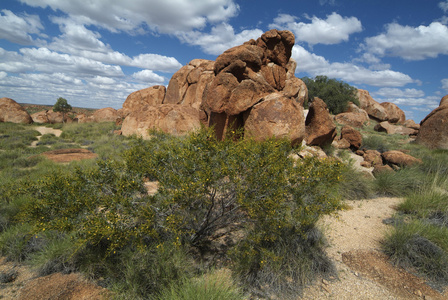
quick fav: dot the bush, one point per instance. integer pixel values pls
(336, 94)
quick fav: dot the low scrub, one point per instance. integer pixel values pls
(240, 203)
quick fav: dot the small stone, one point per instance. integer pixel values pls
(325, 282)
(418, 293)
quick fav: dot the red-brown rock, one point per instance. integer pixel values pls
(373, 157)
(411, 124)
(40, 117)
(378, 169)
(320, 129)
(394, 129)
(433, 131)
(11, 111)
(107, 114)
(399, 158)
(170, 118)
(444, 100)
(150, 96)
(277, 116)
(352, 119)
(394, 114)
(373, 108)
(352, 135)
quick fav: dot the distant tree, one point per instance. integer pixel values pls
(62, 106)
(336, 94)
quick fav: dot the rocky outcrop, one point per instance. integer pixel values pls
(40, 117)
(444, 100)
(351, 135)
(354, 116)
(434, 128)
(170, 118)
(373, 158)
(320, 129)
(107, 114)
(276, 116)
(83, 118)
(394, 129)
(399, 158)
(11, 111)
(248, 75)
(150, 96)
(411, 124)
(187, 85)
(394, 114)
(373, 108)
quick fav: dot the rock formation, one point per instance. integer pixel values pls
(150, 96)
(107, 114)
(434, 128)
(251, 86)
(399, 158)
(320, 129)
(394, 113)
(351, 135)
(373, 108)
(11, 111)
(171, 118)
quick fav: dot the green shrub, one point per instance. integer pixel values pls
(215, 285)
(420, 246)
(336, 94)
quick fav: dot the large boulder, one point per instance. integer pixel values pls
(394, 113)
(250, 74)
(394, 129)
(150, 96)
(278, 117)
(107, 114)
(11, 111)
(170, 118)
(373, 108)
(411, 124)
(40, 117)
(320, 129)
(399, 158)
(444, 100)
(187, 85)
(351, 135)
(434, 128)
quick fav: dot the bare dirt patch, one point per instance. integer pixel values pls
(68, 155)
(45, 130)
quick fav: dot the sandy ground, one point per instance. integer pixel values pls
(354, 237)
(44, 130)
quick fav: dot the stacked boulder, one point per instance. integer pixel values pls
(251, 87)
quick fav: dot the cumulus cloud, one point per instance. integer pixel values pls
(399, 93)
(445, 84)
(333, 30)
(148, 76)
(221, 38)
(168, 16)
(444, 6)
(317, 65)
(411, 43)
(19, 29)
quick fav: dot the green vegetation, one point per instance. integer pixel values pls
(336, 94)
(62, 106)
(230, 218)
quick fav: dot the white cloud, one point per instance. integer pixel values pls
(148, 76)
(168, 16)
(445, 84)
(103, 80)
(333, 30)
(19, 29)
(76, 39)
(399, 93)
(444, 6)
(411, 43)
(318, 65)
(221, 38)
(330, 2)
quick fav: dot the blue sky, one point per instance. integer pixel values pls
(95, 53)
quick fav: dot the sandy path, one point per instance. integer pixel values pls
(44, 130)
(355, 235)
